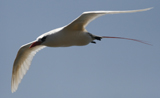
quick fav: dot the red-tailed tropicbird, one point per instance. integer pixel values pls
(73, 34)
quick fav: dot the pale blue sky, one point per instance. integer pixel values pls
(112, 68)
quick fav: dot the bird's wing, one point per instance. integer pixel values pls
(22, 64)
(83, 20)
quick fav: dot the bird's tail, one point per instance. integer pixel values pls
(127, 39)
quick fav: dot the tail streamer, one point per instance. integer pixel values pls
(127, 39)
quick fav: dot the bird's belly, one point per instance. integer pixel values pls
(67, 41)
(72, 42)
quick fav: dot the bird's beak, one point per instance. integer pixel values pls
(35, 44)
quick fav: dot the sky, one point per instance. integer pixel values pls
(111, 68)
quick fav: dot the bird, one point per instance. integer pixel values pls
(73, 34)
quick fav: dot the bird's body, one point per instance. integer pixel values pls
(62, 37)
(73, 34)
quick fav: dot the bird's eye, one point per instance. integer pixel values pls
(44, 38)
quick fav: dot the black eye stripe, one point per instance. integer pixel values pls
(44, 38)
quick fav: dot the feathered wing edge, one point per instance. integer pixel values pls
(22, 64)
(86, 17)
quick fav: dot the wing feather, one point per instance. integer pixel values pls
(22, 64)
(83, 20)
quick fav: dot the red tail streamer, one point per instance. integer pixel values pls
(126, 39)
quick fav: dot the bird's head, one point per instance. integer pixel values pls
(39, 41)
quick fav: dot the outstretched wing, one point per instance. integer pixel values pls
(83, 20)
(22, 64)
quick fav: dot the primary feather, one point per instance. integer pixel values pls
(22, 64)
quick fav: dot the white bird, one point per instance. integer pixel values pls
(74, 34)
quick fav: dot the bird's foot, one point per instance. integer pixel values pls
(98, 38)
(93, 42)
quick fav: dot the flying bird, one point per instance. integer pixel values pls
(73, 34)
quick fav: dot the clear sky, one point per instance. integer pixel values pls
(112, 68)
